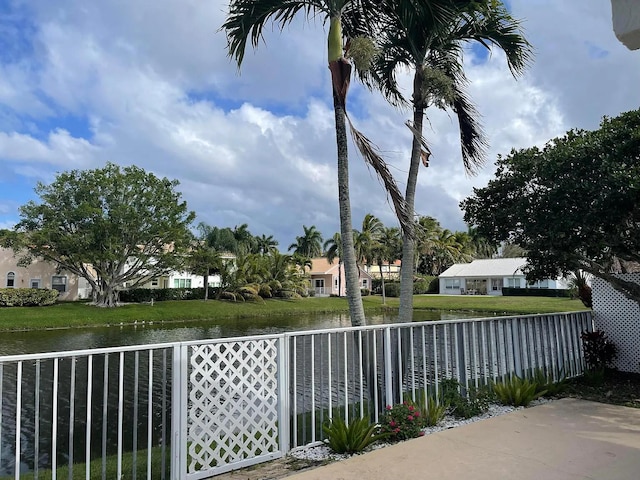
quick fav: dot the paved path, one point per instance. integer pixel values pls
(562, 440)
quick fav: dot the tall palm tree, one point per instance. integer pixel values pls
(415, 39)
(266, 245)
(333, 250)
(309, 244)
(349, 21)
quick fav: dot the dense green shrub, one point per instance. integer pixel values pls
(475, 402)
(402, 421)
(535, 292)
(599, 351)
(139, 295)
(517, 391)
(392, 289)
(27, 297)
(352, 438)
(365, 292)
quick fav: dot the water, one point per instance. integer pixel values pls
(38, 341)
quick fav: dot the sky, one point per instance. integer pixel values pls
(149, 83)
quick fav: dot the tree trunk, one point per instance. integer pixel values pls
(408, 245)
(206, 286)
(340, 277)
(356, 310)
(340, 77)
(382, 280)
(107, 296)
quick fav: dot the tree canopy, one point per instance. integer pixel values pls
(572, 205)
(110, 225)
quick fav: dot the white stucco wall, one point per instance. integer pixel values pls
(626, 22)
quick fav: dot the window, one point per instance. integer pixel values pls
(181, 283)
(451, 283)
(319, 282)
(513, 282)
(34, 283)
(154, 282)
(540, 284)
(365, 283)
(11, 280)
(335, 283)
(59, 283)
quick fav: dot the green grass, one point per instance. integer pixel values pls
(64, 315)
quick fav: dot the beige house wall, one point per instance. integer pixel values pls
(39, 271)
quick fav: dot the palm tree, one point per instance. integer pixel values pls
(309, 244)
(266, 245)
(414, 38)
(349, 22)
(333, 250)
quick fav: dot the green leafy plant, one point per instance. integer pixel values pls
(599, 351)
(402, 421)
(546, 383)
(517, 391)
(431, 409)
(352, 438)
(475, 402)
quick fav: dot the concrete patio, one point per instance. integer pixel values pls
(567, 439)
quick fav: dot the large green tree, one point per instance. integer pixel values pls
(572, 205)
(432, 46)
(350, 21)
(110, 225)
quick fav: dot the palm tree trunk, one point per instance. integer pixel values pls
(354, 299)
(340, 76)
(408, 245)
(382, 280)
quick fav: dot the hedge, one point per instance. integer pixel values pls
(27, 297)
(535, 292)
(139, 295)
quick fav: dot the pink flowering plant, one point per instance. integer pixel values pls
(402, 421)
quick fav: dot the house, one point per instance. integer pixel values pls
(391, 271)
(626, 22)
(39, 274)
(489, 276)
(329, 279)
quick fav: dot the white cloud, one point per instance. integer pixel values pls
(154, 85)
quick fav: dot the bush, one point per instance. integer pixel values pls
(424, 285)
(475, 402)
(358, 435)
(140, 295)
(599, 351)
(27, 297)
(535, 292)
(365, 292)
(402, 421)
(392, 289)
(546, 385)
(517, 391)
(431, 410)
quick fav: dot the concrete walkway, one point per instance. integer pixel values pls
(562, 440)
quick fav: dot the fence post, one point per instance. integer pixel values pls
(284, 416)
(388, 374)
(178, 412)
(516, 342)
(461, 361)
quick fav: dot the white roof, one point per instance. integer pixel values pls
(490, 267)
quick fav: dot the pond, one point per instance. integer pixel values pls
(38, 341)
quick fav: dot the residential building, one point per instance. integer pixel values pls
(626, 22)
(391, 271)
(329, 279)
(489, 276)
(38, 274)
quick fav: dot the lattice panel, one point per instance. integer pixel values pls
(619, 318)
(233, 403)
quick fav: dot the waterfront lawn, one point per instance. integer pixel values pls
(76, 314)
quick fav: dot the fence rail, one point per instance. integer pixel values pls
(196, 409)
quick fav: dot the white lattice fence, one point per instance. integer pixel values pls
(619, 318)
(232, 418)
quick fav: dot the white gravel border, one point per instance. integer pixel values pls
(322, 453)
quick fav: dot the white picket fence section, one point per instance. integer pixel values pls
(192, 410)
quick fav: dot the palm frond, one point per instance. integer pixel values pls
(247, 19)
(372, 158)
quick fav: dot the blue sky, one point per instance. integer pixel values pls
(148, 82)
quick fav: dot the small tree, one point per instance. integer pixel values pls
(110, 226)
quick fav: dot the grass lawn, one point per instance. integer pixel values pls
(75, 314)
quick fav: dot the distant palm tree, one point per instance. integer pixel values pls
(333, 250)
(416, 39)
(266, 245)
(309, 244)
